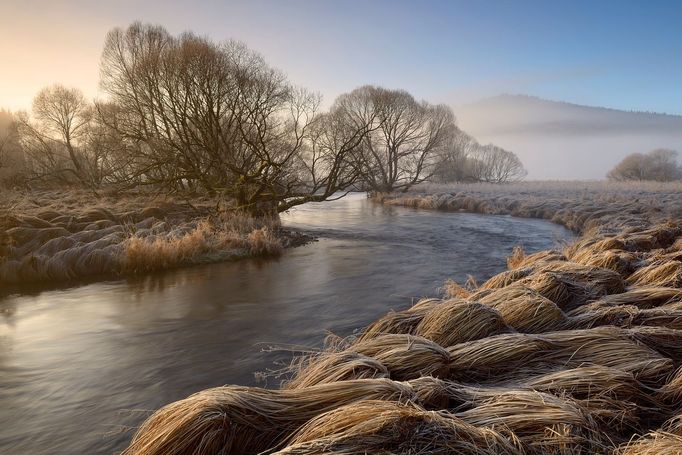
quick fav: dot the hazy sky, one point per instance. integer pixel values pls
(620, 54)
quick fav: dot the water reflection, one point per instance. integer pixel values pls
(71, 360)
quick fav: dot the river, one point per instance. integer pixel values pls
(79, 365)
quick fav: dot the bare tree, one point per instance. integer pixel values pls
(406, 140)
(197, 115)
(465, 160)
(6, 135)
(456, 163)
(493, 164)
(55, 138)
(11, 158)
(660, 165)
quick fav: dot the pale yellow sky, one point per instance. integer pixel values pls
(43, 44)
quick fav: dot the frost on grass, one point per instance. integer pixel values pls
(68, 235)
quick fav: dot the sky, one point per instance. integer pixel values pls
(624, 54)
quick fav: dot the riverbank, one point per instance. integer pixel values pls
(580, 206)
(58, 236)
(572, 351)
(77, 359)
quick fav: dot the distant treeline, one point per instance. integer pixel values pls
(186, 114)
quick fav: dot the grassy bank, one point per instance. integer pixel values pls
(580, 206)
(566, 352)
(60, 236)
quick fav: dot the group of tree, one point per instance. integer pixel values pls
(468, 161)
(186, 114)
(658, 165)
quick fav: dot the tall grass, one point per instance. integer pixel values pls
(231, 236)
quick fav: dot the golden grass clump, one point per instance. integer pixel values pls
(587, 382)
(569, 284)
(525, 309)
(506, 278)
(542, 423)
(671, 392)
(519, 355)
(665, 441)
(142, 254)
(549, 285)
(620, 261)
(327, 367)
(626, 316)
(664, 340)
(220, 238)
(640, 297)
(612, 397)
(249, 420)
(519, 259)
(453, 290)
(406, 356)
(498, 355)
(517, 256)
(633, 351)
(263, 242)
(457, 321)
(400, 322)
(659, 273)
(383, 427)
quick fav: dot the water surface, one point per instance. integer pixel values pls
(77, 365)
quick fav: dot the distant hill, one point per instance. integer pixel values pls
(558, 140)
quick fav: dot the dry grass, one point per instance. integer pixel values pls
(580, 206)
(542, 423)
(660, 273)
(525, 309)
(247, 420)
(666, 441)
(401, 322)
(70, 235)
(330, 367)
(208, 241)
(406, 356)
(570, 352)
(456, 321)
(387, 427)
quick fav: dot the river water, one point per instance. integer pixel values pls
(79, 365)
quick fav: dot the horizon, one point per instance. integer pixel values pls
(455, 53)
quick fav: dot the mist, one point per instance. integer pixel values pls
(563, 141)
